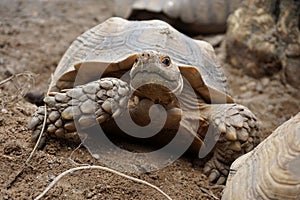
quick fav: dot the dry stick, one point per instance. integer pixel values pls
(209, 193)
(36, 144)
(13, 76)
(101, 168)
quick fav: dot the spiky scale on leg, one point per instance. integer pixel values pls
(238, 134)
(92, 103)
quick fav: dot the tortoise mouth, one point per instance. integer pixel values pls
(155, 82)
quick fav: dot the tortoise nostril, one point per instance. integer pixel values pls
(148, 55)
(143, 54)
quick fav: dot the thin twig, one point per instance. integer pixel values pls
(43, 127)
(101, 168)
(38, 141)
(209, 193)
(70, 157)
(8, 79)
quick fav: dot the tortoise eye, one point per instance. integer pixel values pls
(166, 61)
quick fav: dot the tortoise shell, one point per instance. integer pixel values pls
(192, 17)
(113, 45)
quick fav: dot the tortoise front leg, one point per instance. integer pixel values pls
(88, 104)
(235, 132)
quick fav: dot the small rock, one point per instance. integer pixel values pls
(259, 87)
(265, 81)
(4, 111)
(251, 85)
(243, 88)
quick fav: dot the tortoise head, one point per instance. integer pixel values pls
(155, 76)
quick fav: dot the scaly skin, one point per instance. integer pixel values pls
(89, 104)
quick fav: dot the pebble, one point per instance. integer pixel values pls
(259, 87)
(4, 111)
(265, 81)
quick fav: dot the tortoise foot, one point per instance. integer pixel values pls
(238, 134)
(80, 107)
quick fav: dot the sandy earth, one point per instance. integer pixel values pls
(33, 37)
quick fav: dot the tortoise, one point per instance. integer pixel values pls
(192, 17)
(271, 170)
(121, 66)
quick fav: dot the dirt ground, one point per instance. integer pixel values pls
(33, 37)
